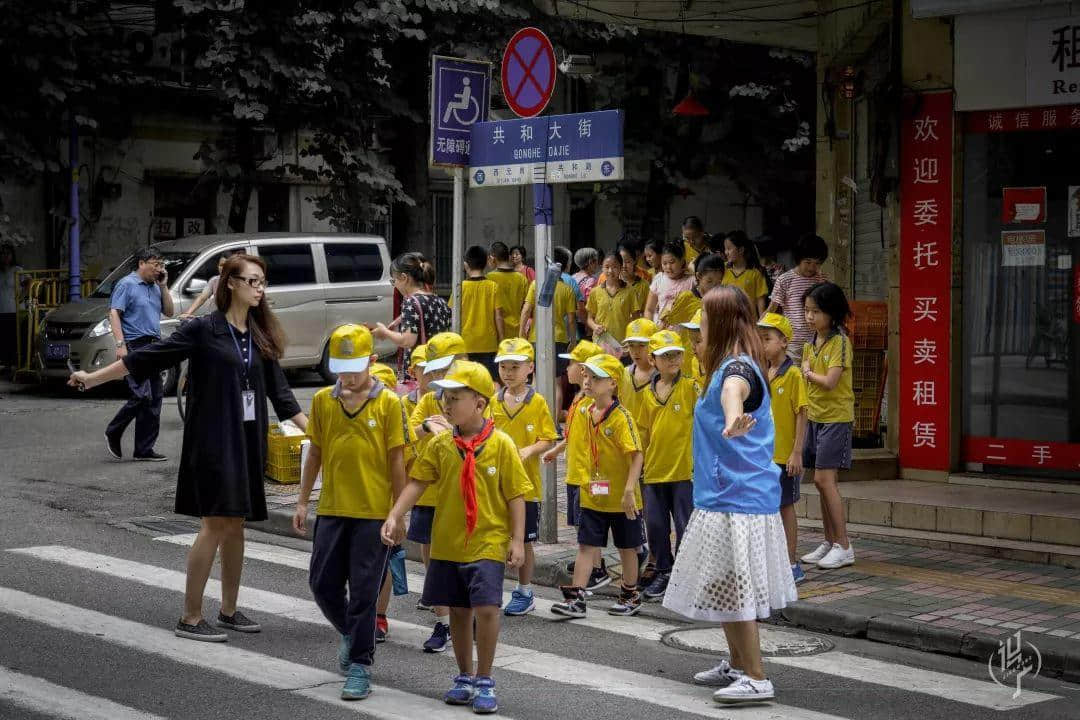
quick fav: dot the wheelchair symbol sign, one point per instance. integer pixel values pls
(461, 93)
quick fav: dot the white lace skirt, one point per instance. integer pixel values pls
(731, 567)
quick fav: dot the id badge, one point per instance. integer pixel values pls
(598, 487)
(248, 399)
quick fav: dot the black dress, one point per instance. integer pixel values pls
(222, 460)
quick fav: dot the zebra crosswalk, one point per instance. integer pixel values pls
(563, 662)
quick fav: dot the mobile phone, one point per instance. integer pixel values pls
(160, 275)
(71, 367)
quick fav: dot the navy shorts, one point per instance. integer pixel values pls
(463, 585)
(828, 446)
(561, 363)
(420, 520)
(789, 487)
(593, 527)
(488, 361)
(532, 521)
(573, 505)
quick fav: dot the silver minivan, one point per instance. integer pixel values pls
(315, 282)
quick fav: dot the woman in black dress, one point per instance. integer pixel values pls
(233, 365)
(423, 313)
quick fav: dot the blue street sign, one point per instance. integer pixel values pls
(460, 94)
(583, 147)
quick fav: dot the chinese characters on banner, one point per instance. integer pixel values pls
(1063, 117)
(1022, 453)
(926, 150)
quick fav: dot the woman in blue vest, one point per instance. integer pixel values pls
(732, 565)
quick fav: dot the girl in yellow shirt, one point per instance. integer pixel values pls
(744, 269)
(611, 305)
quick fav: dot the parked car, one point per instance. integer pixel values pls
(315, 282)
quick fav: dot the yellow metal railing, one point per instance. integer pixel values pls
(36, 293)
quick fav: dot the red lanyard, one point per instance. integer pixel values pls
(594, 433)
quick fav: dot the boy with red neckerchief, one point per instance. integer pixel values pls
(481, 485)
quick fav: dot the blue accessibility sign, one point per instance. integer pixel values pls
(583, 147)
(460, 98)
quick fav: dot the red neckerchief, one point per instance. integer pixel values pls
(468, 473)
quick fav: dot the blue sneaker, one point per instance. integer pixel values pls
(520, 603)
(357, 684)
(343, 652)
(440, 636)
(797, 573)
(462, 693)
(484, 703)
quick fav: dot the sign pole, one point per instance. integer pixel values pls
(544, 376)
(457, 269)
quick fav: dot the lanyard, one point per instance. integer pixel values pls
(246, 364)
(594, 433)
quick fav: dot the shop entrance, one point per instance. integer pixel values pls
(1021, 261)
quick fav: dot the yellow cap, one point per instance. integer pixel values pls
(351, 348)
(695, 322)
(665, 342)
(442, 349)
(385, 374)
(776, 322)
(605, 366)
(517, 349)
(640, 330)
(418, 356)
(583, 351)
(467, 374)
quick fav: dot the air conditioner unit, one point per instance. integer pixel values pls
(578, 65)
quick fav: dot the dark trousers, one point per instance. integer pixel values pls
(144, 407)
(348, 554)
(665, 502)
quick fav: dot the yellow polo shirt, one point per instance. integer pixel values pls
(427, 407)
(479, 298)
(578, 463)
(614, 312)
(512, 289)
(564, 304)
(639, 291)
(616, 439)
(750, 281)
(356, 480)
(838, 404)
(787, 392)
(631, 394)
(528, 424)
(500, 477)
(670, 425)
(691, 254)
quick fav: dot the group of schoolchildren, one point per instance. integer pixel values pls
(461, 453)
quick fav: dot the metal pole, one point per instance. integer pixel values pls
(545, 347)
(74, 271)
(458, 263)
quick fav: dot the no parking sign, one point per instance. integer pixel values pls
(528, 72)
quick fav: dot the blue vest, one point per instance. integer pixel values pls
(734, 475)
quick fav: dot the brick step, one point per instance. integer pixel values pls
(1000, 513)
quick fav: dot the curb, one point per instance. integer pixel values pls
(1060, 657)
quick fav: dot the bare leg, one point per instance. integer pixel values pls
(744, 636)
(199, 562)
(232, 563)
(597, 558)
(628, 557)
(830, 497)
(583, 565)
(791, 530)
(525, 572)
(826, 520)
(733, 649)
(487, 636)
(461, 636)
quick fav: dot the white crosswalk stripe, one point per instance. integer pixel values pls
(620, 683)
(904, 677)
(46, 698)
(385, 703)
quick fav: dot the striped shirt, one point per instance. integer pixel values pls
(788, 293)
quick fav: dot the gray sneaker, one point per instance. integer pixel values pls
(238, 622)
(201, 632)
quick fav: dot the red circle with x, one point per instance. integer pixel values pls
(528, 72)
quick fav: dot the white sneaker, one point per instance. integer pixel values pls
(838, 557)
(822, 551)
(722, 674)
(745, 690)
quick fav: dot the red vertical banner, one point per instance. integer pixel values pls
(926, 157)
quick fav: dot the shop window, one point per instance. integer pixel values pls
(288, 264)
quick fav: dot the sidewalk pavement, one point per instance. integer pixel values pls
(932, 600)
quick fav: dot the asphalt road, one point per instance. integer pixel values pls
(88, 600)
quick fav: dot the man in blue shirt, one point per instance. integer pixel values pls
(137, 304)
